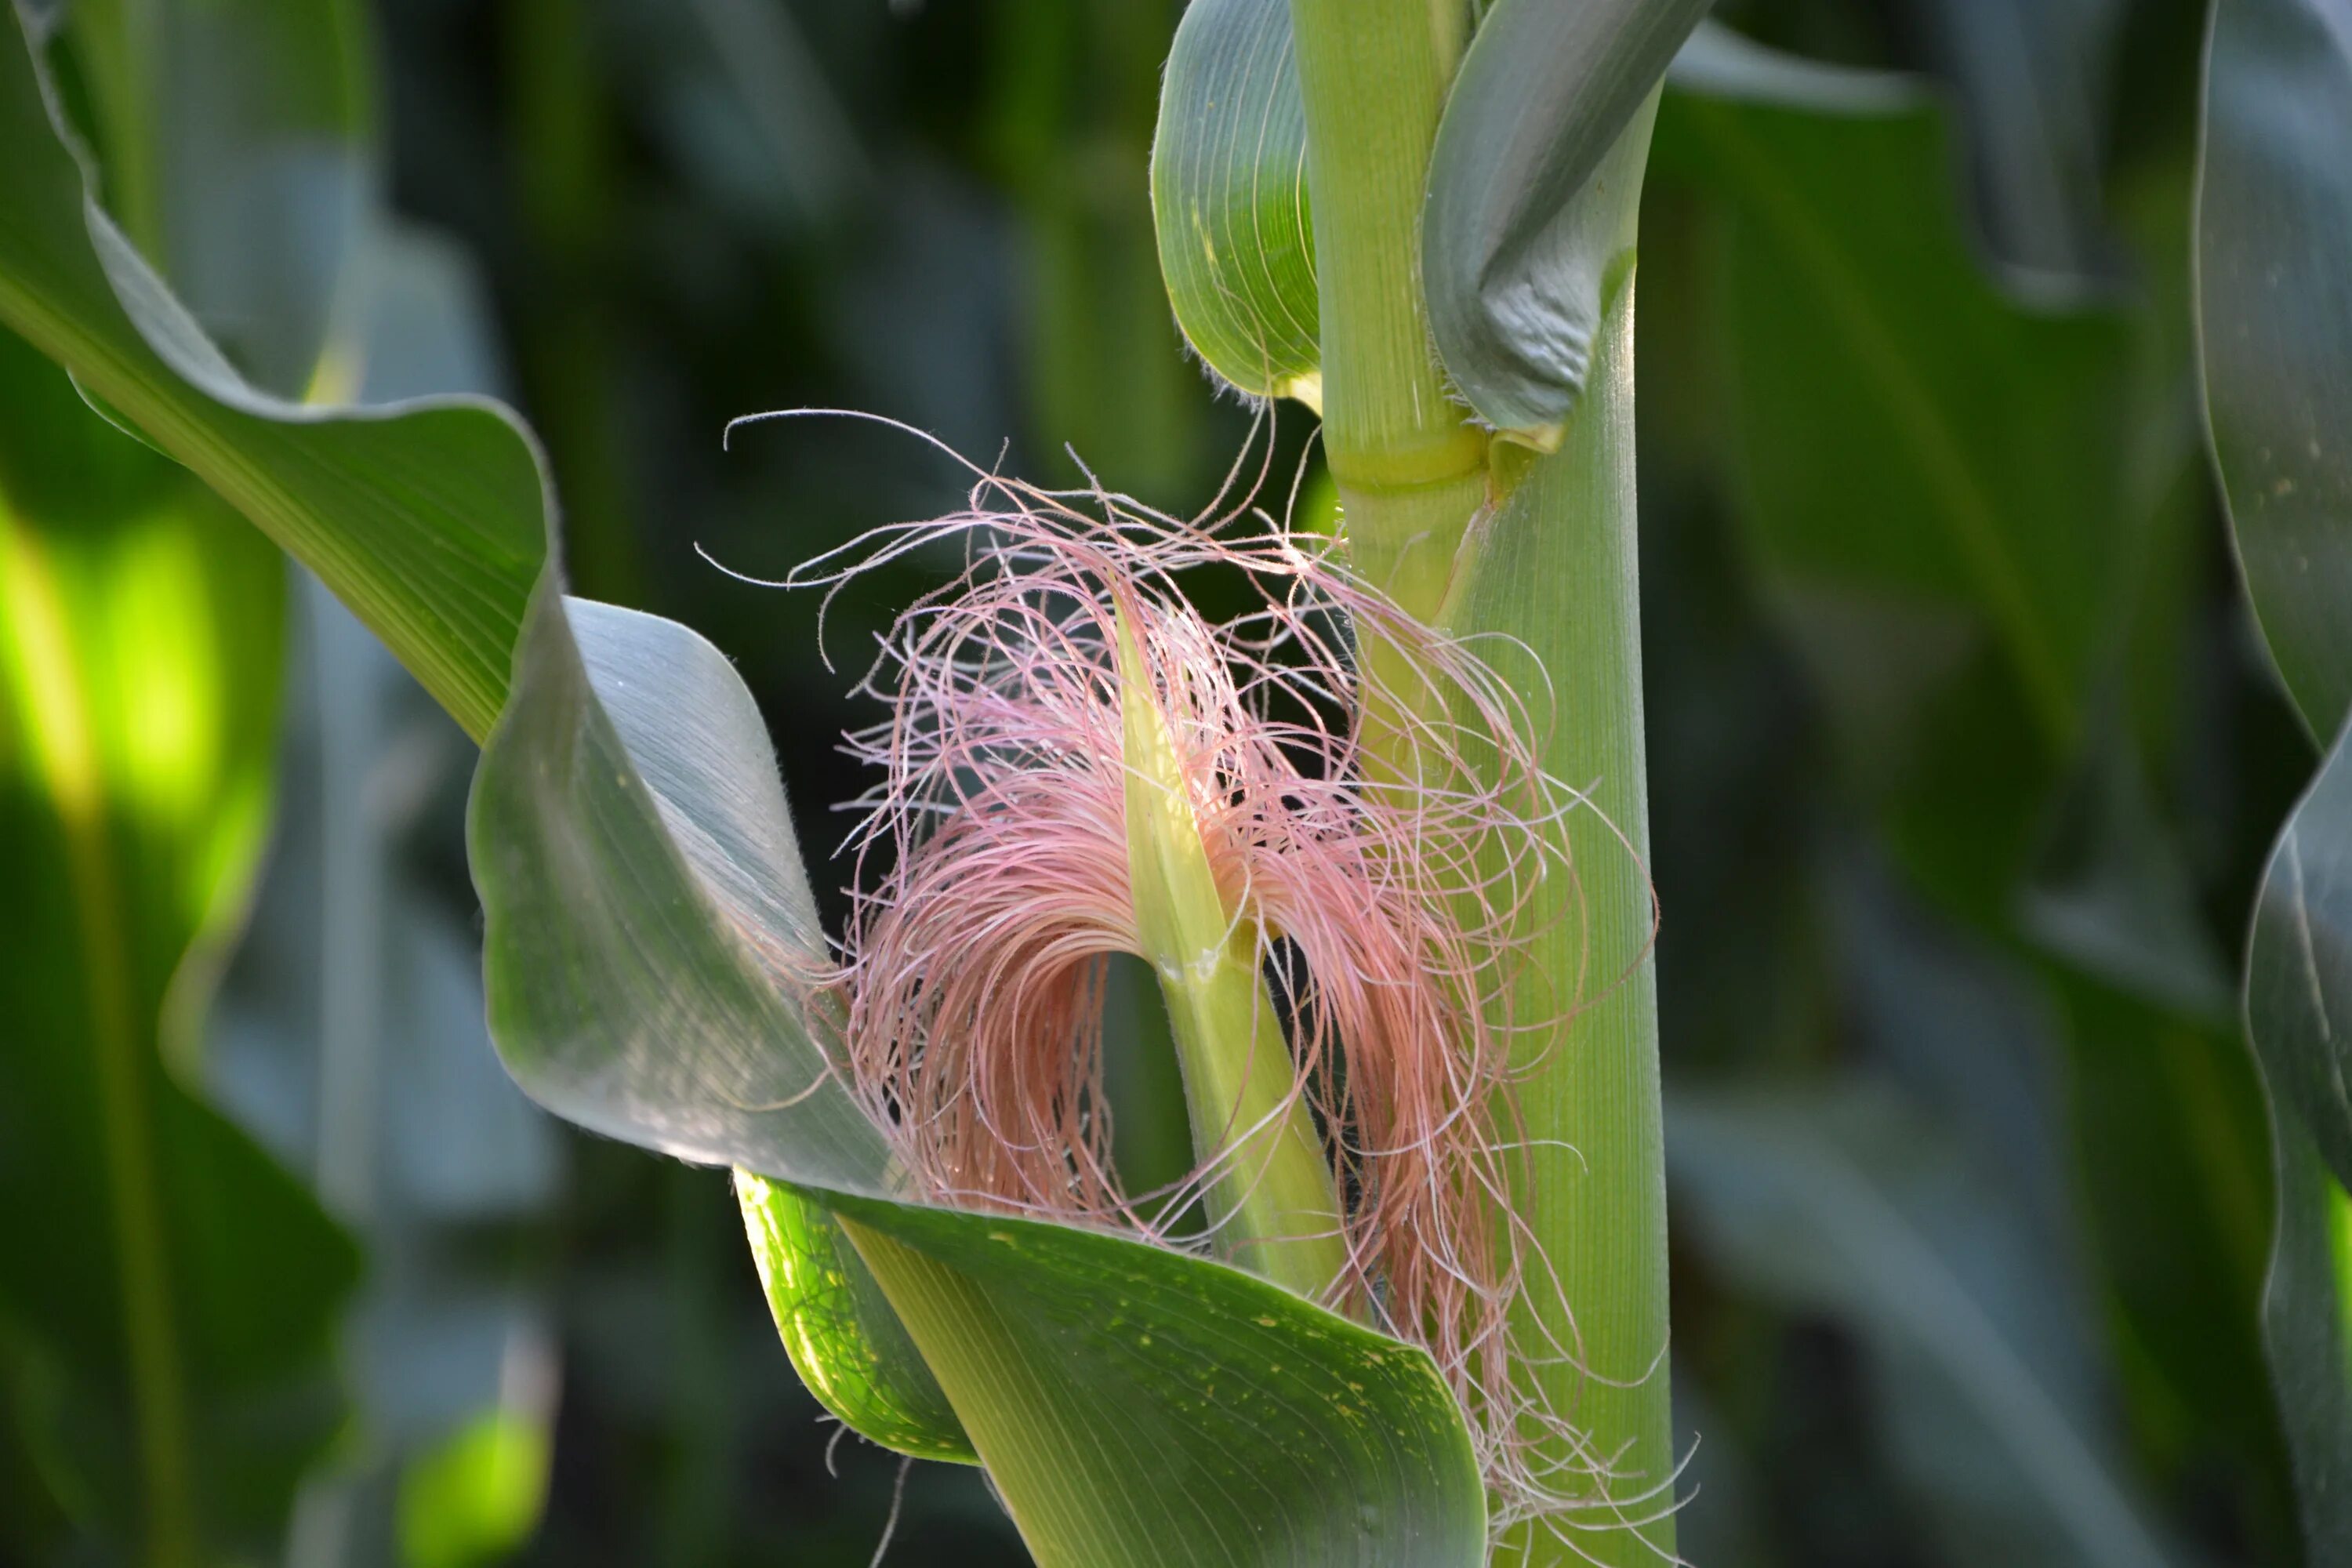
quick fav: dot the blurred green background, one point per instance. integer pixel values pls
(1970, 1180)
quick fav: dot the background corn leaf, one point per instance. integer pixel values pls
(238, 141)
(351, 1039)
(2274, 317)
(2069, 864)
(1951, 566)
(2274, 314)
(446, 596)
(173, 1401)
(1550, 99)
(1229, 199)
(631, 851)
(172, 1294)
(1845, 1201)
(2035, 80)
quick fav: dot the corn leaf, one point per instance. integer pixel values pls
(1550, 99)
(1229, 199)
(171, 1292)
(650, 943)
(844, 1337)
(1950, 564)
(239, 142)
(2275, 312)
(2274, 319)
(1843, 1201)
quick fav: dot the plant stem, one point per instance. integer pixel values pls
(1554, 568)
(1273, 1204)
(1410, 467)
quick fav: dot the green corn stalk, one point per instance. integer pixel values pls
(1557, 567)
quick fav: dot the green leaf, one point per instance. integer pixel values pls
(1931, 461)
(350, 1033)
(1552, 101)
(847, 1343)
(650, 943)
(2299, 962)
(475, 1499)
(2033, 81)
(1229, 198)
(2274, 326)
(652, 949)
(1844, 1202)
(238, 139)
(1232, 1422)
(2308, 1316)
(171, 1292)
(428, 521)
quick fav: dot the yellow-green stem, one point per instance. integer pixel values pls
(1410, 467)
(1274, 1207)
(1554, 568)
(1555, 571)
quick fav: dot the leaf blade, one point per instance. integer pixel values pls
(1229, 199)
(1547, 121)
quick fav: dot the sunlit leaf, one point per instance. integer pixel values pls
(1229, 197)
(844, 1340)
(473, 1501)
(435, 553)
(171, 1291)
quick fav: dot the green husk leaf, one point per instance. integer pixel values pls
(1142, 1416)
(1229, 199)
(847, 1343)
(650, 942)
(1551, 100)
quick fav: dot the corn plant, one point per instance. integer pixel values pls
(1427, 1312)
(1378, 838)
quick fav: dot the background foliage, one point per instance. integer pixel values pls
(1965, 761)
